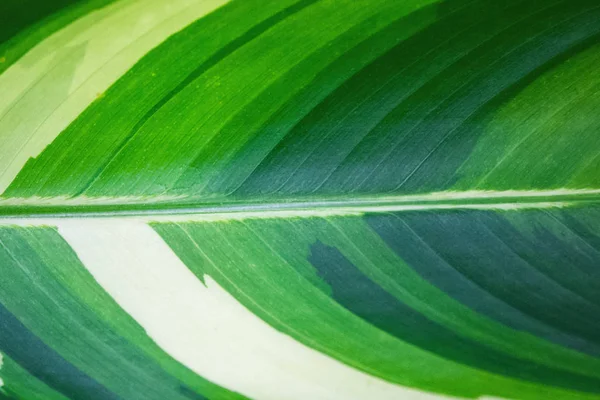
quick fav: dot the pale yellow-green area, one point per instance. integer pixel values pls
(43, 92)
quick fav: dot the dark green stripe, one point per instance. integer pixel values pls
(411, 161)
(14, 48)
(16, 15)
(359, 294)
(330, 114)
(247, 37)
(488, 249)
(440, 272)
(433, 108)
(320, 96)
(44, 363)
(154, 76)
(64, 301)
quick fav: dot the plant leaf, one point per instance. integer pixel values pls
(294, 199)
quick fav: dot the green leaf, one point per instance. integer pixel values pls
(291, 199)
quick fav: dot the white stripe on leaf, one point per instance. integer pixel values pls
(204, 327)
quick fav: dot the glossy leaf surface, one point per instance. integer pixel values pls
(291, 199)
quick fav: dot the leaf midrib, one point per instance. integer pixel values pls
(110, 208)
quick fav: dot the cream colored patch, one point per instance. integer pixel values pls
(1, 381)
(204, 327)
(43, 92)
